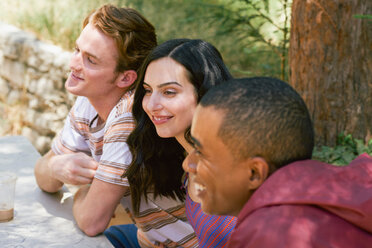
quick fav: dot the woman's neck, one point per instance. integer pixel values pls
(186, 145)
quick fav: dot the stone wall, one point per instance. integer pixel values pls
(32, 76)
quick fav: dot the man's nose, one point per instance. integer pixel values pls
(190, 163)
(75, 61)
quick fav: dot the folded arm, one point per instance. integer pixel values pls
(95, 205)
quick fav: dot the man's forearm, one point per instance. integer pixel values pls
(43, 174)
(91, 224)
(95, 205)
(78, 210)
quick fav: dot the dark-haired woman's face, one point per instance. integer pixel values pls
(170, 98)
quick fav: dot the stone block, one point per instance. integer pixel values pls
(34, 103)
(48, 53)
(32, 77)
(32, 74)
(29, 133)
(4, 89)
(62, 60)
(44, 86)
(32, 86)
(33, 61)
(56, 126)
(14, 42)
(62, 111)
(1, 56)
(30, 116)
(55, 99)
(13, 71)
(7, 30)
(14, 97)
(45, 123)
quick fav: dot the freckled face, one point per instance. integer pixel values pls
(93, 65)
(170, 98)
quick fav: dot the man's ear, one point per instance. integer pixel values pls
(126, 79)
(259, 170)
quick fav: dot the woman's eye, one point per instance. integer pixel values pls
(147, 91)
(170, 92)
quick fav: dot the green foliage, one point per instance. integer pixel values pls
(245, 50)
(56, 21)
(261, 27)
(346, 149)
(363, 16)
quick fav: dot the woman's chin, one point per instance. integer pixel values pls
(163, 134)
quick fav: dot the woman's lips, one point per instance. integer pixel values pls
(157, 120)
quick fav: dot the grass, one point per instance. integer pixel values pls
(56, 21)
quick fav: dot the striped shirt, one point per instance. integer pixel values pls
(211, 230)
(162, 221)
(106, 142)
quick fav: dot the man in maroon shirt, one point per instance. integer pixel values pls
(253, 140)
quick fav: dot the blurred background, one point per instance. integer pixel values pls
(250, 34)
(253, 37)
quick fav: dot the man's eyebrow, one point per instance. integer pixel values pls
(92, 55)
(164, 84)
(87, 53)
(196, 142)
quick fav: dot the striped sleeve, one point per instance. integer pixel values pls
(73, 137)
(116, 155)
(211, 230)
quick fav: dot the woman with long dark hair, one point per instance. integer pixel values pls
(172, 80)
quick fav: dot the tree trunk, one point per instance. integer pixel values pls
(330, 60)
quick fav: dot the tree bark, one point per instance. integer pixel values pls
(330, 59)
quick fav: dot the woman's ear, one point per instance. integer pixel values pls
(126, 79)
(259, 170)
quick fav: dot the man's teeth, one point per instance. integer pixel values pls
(199, 187)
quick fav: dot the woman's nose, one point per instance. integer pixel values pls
(153, 102)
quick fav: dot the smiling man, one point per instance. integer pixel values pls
(253, 140)
(92, 149)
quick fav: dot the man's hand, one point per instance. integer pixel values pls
(75, 168)
(52, 171)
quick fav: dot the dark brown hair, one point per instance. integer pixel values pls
(157, 162)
